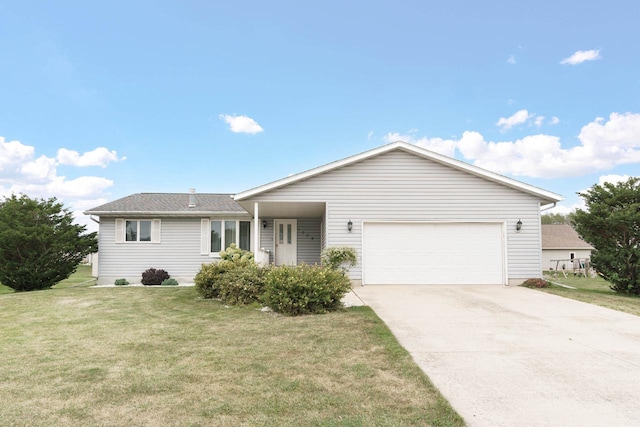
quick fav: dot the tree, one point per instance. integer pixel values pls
(39, 243)
(611, 224)
(556, 218)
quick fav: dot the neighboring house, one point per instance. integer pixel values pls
(413, 216)
(561, 244)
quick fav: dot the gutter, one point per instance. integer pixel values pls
(553, 205)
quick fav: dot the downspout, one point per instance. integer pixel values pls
(93, 219)
(551, 206)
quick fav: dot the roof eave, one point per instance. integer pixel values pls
(165, 213)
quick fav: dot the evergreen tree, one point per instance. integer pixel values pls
(611, 224)
(39, 243)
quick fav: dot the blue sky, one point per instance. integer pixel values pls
(104, 99)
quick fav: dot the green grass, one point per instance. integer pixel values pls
(163, 356)
(594, 291)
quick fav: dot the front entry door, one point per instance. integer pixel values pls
(286, 241)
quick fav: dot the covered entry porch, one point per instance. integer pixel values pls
(287, 232)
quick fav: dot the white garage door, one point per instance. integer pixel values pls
(433, 253)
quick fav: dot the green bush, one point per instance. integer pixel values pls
(336, 257)
(242, 285)
(535, 283)
(210, 277)
(305, 289)
(169, 282)
(121, 282)
(154, 277)
(207, 280)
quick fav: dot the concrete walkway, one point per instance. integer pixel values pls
(511, 356)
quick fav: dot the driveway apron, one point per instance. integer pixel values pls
(511, 356)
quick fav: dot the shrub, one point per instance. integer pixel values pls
(242, 285)
(336, 257)
(305, 289)
(121, 282)
(208, 278)
(154, 277)
(169, 282)
(535, 283)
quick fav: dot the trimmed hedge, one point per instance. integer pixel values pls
(305, 289)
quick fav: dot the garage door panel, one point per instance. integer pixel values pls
(433, 253)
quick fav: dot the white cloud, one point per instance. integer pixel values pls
(241, 124)
(439, 145)
(612, 179)
(538, 121)
(519, 117)
(370, 135)
(581, 56)
(98, 157)
(21, 172)
(604, 144)
(511, 60)
(554, 120)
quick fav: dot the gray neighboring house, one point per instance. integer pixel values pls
(562, 242)
(413, 216)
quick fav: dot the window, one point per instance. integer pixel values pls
(238, 232)
(138, 231)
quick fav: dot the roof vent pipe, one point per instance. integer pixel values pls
(192, 197)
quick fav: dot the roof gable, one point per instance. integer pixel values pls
(562, 236)
(543, 195)
(169, 204)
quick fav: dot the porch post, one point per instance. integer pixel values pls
(256, 231)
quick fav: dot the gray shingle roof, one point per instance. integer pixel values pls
(562, 236)
(169, 203)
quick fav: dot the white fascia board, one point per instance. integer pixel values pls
(440, 158)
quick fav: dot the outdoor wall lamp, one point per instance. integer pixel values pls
(518, 225)
(350, 226)
(264, 223)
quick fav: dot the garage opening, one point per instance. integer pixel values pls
(427, 253)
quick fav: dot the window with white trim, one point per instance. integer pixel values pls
(137, 230)
(224, 233)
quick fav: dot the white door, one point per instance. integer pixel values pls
(433, 253)
(286, 241)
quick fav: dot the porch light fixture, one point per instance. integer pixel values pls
(264, 223)
(350, 226)
(518, 225)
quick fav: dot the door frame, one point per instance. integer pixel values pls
(294, 239)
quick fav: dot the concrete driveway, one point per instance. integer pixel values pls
(511, 356)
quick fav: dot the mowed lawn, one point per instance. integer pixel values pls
(594, 291)
(80, 356)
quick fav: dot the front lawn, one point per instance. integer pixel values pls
(594, 291)
(163, 356)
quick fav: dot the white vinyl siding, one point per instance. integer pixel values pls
(178, 253)
(399, 186)
(309, 240)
